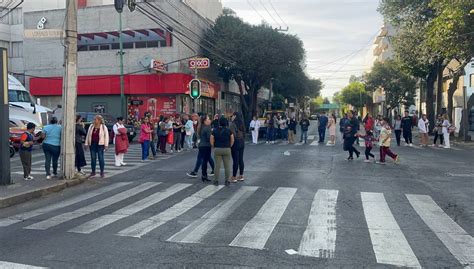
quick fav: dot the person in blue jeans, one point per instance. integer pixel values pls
(270, 129)
(145, 137)
(304, 123)
(52, 146)
(98, 141)
(323, 124)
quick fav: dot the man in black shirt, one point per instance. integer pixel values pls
(407, 125)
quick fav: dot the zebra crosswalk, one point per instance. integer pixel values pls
(97, 210)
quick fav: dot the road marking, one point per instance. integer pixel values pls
(319, 238)
(455, 238)
(148, 225)
(389, 244)
(298, 144)
(11, 265)
(31, 214)
(257, 231)
(314, 143)
(54, 221)
(129, 210)
(200, 227)
(310, 137)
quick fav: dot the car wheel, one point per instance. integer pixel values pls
(12, 152)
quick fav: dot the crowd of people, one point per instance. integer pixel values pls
(226, 139)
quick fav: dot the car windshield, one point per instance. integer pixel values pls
(19, 96)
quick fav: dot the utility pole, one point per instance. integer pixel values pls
(70, 92)
(5, 176)
(122, 86)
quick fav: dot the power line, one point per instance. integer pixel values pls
(271, 16)
(15, 7)
(271, 4)
(256, 11)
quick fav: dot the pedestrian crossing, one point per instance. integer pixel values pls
(97, 210)
(133, 159)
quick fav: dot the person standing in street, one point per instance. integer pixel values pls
(270, 130)
(304, 123)
(145, 137)
(282, 124)
(238, 130)
(52, 146)
(201, 153)
(397, 127)
(342, 126)
(323, 124)
(368, 122)
(369, 145)
(332, 131)
(120, 141)
(407, 125)
(189, 131)
(438, 131)
(163, 134)
(351, 135)
(446, 130)
(98, 141)
(154, 139)
(384, 141)
(81, 134)
(222, 140)
(177, 126)
(26, 146)
(292, 130)
(205, 148)
(254, 127)
(423, 127)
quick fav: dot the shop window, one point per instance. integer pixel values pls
(16, 50)
(92, 48)
(162, 44)
(128, 45)
(152, 44)
(81, 48)
(105, 47)
(140, 45)
(115, 46)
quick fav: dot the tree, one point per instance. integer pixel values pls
(355, 94)
(450, 34)
(326, 100)
(399, 87)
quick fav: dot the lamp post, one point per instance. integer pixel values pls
(122, 90)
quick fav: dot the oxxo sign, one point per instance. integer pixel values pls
(199, 63)
(158, 65)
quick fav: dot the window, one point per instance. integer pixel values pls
(128, 45)
(152, 44)
(116, 46)
(105, 47)
(162, 44)
(81, 48)
(19, 96)
(91, 48)
(16, 16)
(140, 45)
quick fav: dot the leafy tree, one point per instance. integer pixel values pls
(326, 100)
(355, 94)
(399, 87)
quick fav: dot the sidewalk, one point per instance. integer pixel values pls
(22, 191)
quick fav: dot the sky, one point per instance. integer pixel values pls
(338, 35)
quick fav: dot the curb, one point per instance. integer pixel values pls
(29, 195)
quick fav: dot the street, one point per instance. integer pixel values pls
(311, 209)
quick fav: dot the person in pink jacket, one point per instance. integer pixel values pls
(145, 137)
(97, 140)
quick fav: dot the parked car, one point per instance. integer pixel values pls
(12, 150)
(109, 122)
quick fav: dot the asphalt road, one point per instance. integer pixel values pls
(311, 209)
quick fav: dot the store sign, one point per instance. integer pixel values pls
(158, 65)
(199, 63)
(45, 33)
(136, 102)
(41, 23)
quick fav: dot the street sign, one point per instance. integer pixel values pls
(158, 65)
(195, 88)
(199, 63)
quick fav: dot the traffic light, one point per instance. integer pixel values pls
(131, 5)
(119, 5)
(195, 88)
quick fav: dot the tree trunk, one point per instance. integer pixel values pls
(439, 90)
(453, 87)
(243, 103)
(430, 80)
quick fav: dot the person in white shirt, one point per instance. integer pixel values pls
(446, 126)
(254, 126)
(423, 124)
(118, 156)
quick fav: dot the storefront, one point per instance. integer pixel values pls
(159, 94)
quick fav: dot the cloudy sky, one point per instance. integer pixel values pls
(337, 34)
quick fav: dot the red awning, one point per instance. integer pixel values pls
(149, 84)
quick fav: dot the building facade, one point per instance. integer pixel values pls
(162, 93)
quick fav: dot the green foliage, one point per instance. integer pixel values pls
(399, 87)
(355, 94)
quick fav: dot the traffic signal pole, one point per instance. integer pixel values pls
(70, 93)
(5, 177)
(122, 86)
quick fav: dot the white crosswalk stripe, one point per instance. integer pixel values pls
(319, 238)
(140, 205)
(388, 241)
(319, 228)
(199, 228)
(54, 221)
(146, 226)
(257, 231)
(459, 243)
(11, 265)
